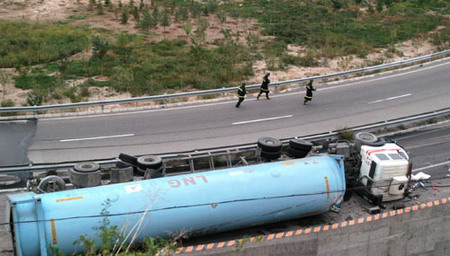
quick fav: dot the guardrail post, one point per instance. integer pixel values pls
(165, 101)
(103, 108)
(223, 93)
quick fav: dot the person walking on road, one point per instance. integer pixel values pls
(265, 86)
(309, 92)
(241, 94)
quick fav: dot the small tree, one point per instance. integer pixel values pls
(4, 80)
(380, 4)
(100, 47)
(147, 21)
(100, 9)
(187, 28)
(136, 14)
(156, 14)
(124, 17)
(221, 17)
(181, 14)
(165, 21)
(336, 4)
(122, 78)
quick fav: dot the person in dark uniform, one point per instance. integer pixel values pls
(309, 92)
(241, 94)
(265, 86)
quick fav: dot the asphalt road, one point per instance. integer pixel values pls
(14, 139)
(335, 106)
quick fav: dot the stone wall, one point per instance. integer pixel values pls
(418, 230)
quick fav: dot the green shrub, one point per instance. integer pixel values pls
(40, 82)
(35, 98)
(7, 104)
(346, 134)
(26, 43)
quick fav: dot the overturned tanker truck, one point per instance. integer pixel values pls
(143, 199)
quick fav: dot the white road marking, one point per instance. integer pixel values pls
(262, 120)
(99, 138)
(431, 166)
(341, 83)
(391, 98)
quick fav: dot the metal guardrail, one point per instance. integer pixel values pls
(236, 148)
(102, 103)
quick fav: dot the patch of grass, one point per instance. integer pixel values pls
(7, 104)
(38, 82)
(343, 29)
(151, 68)
(24, 43)
(346, 134)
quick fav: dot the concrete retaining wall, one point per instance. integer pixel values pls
(418, 230)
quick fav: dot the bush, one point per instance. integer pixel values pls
(39, 82)
(35, 98)
(7, 104)
(25, 43)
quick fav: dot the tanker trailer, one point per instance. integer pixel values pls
(194, 204)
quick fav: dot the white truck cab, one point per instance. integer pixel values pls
(385, 171)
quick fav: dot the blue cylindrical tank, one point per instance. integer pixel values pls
(196, 203)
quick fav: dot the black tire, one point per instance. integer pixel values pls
(59, 182)
(269, 144)
(149, 162)
(128, 159)
(86, 167)
(378, 143)
(121, 174)
(86, 174)
(121, 164)
(297, 153)
(300, 144)
(368, 139)
(270, 155)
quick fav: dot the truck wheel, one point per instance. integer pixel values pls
(269, 144)
(122, 164)
(297, 153)
(120, 174)
(149, 162)
(85, 175)
(366, 137)
(58, 184)
(270, 155)
(378, 143)
(300, 144)
(128, 159)
(86, 167)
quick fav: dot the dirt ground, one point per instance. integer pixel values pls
(53, 10)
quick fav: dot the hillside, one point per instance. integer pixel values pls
(80, 50)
